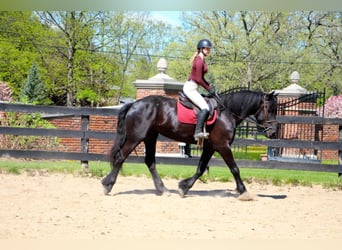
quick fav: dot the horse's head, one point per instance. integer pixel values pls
(266, 114)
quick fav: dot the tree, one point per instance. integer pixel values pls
(101, 50)
(92, 58)
(16, 49)
(327, 46)
(75, 27)
(261, 49)
(33, 91)
(132, 36)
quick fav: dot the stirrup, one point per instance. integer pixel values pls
(203, 135)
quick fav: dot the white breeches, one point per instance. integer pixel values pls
(190, 90)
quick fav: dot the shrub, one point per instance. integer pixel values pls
(12, 119)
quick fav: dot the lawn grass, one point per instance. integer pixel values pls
(247, 152)
(249, 175)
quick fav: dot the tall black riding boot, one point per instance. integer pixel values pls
(201, 119)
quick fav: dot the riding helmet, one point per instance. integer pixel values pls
(204, 43)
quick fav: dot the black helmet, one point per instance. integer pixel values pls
(204, 43)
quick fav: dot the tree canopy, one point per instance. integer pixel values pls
(93, 57)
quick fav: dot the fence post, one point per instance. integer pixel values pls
(84, 140)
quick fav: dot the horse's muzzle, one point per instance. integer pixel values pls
(271, 132)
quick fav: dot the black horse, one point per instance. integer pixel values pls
(146, 118)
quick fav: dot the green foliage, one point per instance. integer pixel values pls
(17, 51)
(12, 119)
(34, 120)
(261, 49)
(88, 96)
(93, 57)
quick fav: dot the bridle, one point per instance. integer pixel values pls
(252, 118)
(264, 109)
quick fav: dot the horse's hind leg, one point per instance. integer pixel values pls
(186, 184)
(116, 163)
(109, 181)
(150, 161)
(118, 156)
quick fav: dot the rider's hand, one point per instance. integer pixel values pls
(212, 91)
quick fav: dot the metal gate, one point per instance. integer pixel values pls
(304, 105)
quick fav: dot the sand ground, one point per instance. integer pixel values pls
(53, 206)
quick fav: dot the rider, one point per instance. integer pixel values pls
(196, 78)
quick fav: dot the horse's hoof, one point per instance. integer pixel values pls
(181, 193)
(163, 193)
(106, 189)
(166, 192)
(245, 196)
(182, 188)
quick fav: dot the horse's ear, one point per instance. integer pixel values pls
(273, 93)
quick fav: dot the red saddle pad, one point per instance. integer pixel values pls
(186, 115)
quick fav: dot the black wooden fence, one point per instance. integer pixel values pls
(84, 134)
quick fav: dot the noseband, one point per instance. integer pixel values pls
(266, 121)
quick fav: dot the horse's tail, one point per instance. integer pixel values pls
(121, 134)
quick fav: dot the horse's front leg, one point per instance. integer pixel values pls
(227, 156)
(186, 184)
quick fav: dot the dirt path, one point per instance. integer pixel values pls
(56, 206)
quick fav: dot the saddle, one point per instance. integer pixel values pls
(188, 111)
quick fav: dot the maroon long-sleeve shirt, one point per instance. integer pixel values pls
(198, 70)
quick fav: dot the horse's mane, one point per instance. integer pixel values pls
(233, 90)
(238, 99)
(241, 89)
(241, 95)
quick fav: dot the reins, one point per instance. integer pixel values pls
(253, 119)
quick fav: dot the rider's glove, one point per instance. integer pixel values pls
(212, 90)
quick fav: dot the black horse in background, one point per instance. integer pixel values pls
(146, 118)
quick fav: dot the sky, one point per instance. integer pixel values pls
(170, 17)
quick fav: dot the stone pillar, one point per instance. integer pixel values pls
(289, 96)
(164, 85)
(160, 84)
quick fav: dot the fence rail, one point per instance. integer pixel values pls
(58, 110)
(84, 134)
